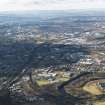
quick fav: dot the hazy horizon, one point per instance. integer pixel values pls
(24, 5)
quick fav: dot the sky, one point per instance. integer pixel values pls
(13, 5)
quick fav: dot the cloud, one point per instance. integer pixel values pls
(6, 5)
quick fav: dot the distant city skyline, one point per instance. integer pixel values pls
(10, 5)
